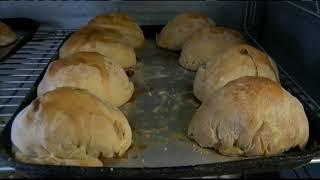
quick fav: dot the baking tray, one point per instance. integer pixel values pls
(24, 29)
(159, 113)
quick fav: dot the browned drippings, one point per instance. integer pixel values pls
(125, 155)
(134, 68)
(129, 72)
(109, 161)
(195, 99)
(137, 147)
(139, 90)
(114, 160)
(133, 150)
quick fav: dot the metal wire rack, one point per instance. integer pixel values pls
(19, 71)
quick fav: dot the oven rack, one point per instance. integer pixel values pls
(19, 71)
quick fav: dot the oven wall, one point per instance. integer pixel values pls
(69, 14)
(290, 34)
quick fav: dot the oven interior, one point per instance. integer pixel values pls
(286, 30)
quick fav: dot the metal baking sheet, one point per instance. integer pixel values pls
(159, 113)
